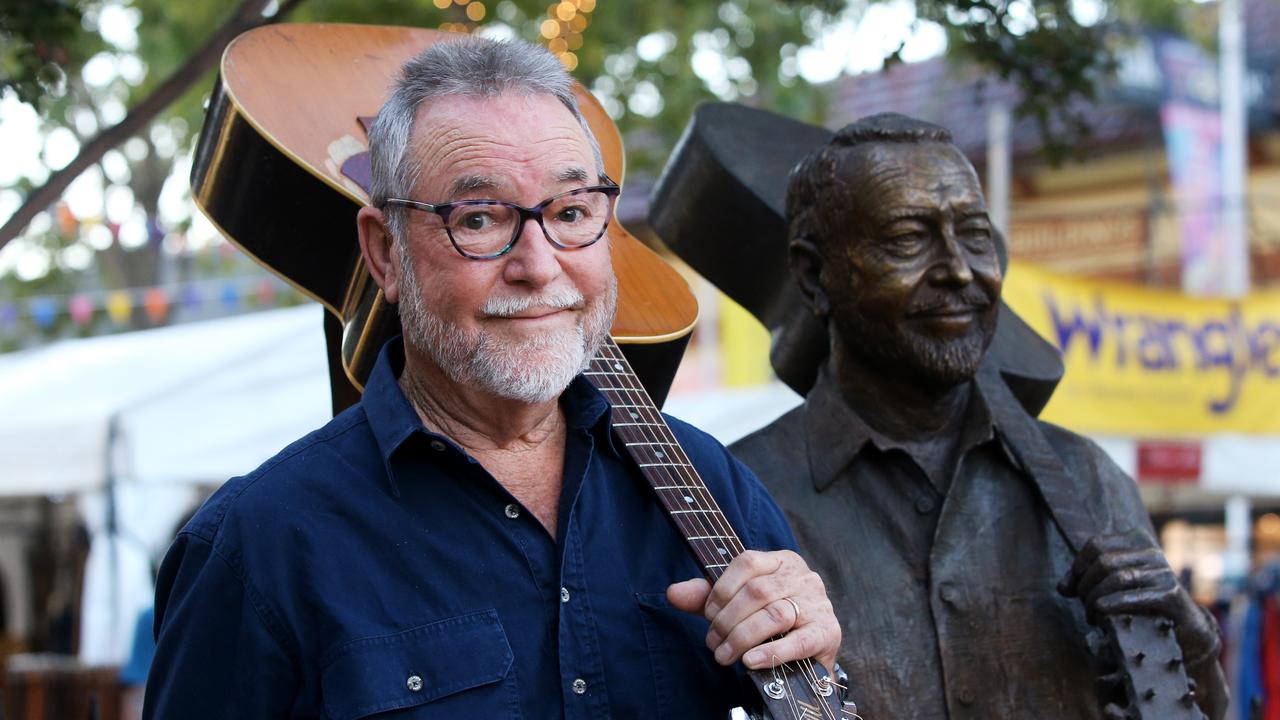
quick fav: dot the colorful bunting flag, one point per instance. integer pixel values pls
(44, 311)
(266, 292)
(155, 301)
(191, 297)
(120, 306)
(81, 309)
(8, 315)
(230, 296)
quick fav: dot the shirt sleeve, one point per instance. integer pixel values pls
(216, 658)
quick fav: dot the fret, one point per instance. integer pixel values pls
(659, 457)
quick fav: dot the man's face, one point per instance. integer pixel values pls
(911, 270)
(522, 325)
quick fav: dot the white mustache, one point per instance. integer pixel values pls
(516, 304)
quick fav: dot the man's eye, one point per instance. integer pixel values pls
(476, 221)
(908, 242)
(977, 237)
(571, 215)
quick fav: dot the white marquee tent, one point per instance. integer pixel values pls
(153, 414)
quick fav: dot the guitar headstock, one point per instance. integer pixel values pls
(801, 691)
(1149, 669)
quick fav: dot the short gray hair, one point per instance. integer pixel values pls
(466, 67)
(817, 195)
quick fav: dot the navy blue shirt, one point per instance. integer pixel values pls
(375, 569)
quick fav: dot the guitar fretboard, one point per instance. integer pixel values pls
(792, 690)
(649, 441)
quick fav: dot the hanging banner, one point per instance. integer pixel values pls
(1148, 362)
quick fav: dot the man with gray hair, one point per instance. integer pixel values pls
(471, 540)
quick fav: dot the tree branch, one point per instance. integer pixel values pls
(246, 17)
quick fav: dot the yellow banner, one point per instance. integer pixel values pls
(1143, 361)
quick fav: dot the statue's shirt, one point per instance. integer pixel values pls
(948, 600)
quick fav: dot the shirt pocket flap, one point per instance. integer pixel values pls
(414, 667)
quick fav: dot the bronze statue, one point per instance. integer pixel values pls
(966, 546)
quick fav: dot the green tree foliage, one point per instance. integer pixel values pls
(649, 63)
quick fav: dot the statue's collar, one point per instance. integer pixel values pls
(837, 434)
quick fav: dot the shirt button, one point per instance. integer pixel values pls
(966, 696)
(512, 511)
(437, 446)
(949, 593)
(414, 683)
(564, 595)
(924, 505)
(579, 686)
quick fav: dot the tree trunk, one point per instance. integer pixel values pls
(246, 17)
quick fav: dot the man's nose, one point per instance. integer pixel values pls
(533, 261)
(951, 264)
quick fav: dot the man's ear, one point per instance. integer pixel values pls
(806, 269)
(376, 245)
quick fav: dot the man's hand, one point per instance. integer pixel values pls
(760, 595)
(1125, 573)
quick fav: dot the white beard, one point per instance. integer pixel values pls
(533, 370)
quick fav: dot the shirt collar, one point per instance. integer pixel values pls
(393, 420)
(837, 434)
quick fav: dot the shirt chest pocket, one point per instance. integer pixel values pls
(688, 683)
(457, 667)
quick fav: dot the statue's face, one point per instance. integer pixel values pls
(911, 270)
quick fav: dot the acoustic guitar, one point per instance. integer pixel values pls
(283, 123)
(284, 120)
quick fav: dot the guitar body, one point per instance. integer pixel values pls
(282, 122)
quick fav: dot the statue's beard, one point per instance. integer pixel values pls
(891, 346)
(533, 370)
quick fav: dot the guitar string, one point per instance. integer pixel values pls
(639, 400)
(643, 407)
(614, 355)
(806, 669)
(715, 534)
(711, 524)
(786, 679)
(684, 471)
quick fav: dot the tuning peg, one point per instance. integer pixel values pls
(1189, 699)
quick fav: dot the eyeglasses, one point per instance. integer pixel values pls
(487, 229)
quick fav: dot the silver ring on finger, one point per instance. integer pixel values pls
(795, 607)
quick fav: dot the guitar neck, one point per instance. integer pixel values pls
(793, 690)
(650, 442)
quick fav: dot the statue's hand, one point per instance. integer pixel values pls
(1125, 574)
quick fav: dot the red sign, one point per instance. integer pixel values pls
(1169, 461)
